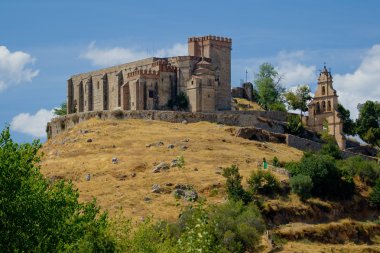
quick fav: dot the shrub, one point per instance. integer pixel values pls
(293, 168)
(368, 174)
(331, 148)
(263, 182)
(235, 190)
(276, 162)
(277, 106)
(181, 102)
(294, 124)
(237, 227)
(325, 176)
(368, 171)
(374, 196)
(301, 185)
(117, 114)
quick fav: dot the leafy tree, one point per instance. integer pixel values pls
(367, 124)
(268, 86)
(38, 216)
(62, 110)
(348, 123)
(298, 99)
(235, 190)
(325, 175)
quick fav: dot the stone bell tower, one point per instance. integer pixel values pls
(218, 49)
(323, 109)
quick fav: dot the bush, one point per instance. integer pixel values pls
(235, 190)
(301, 185)
(368, 171)
(276, 162)
(374, 196)
(278, 106)
(294, 124)
(325, 175)
(263, 182)
(331, 148)
(181, 102)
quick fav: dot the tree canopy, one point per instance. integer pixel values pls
(299, 98)
(269, 89)
(62, 110)
(367, 124)
(348, 123)
(40, 216)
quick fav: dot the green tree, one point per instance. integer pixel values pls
(348, 123)
(267, 83)
(326, 177)
(367, 124)
(299, 98)
(235, 190)
(39, 216)
(62, 110)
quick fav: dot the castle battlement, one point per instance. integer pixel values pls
(145, 73)
(210, 37)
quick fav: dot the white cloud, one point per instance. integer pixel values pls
(118, 55)
(294, 73)
(13, 68)
(289, 64)
(34, 125)
(361, 85)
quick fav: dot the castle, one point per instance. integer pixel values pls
(204, 76)
(155, 83)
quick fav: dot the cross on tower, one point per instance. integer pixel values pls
(246, 76)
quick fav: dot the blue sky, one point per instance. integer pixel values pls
(43, 43)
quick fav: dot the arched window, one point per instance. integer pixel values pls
(323, 106)
(323, 90)
(329, 106)
(318, 107)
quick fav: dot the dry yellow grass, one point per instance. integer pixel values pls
(210, 146)
(246, 105)
(302, 247)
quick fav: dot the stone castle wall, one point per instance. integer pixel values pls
(259, 119)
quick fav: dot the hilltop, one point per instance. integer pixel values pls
(89, 147)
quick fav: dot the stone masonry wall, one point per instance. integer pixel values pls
(257, 119)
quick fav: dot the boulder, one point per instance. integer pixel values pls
(161, 166)
(156, 188)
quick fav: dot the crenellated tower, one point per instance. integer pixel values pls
(218, 49)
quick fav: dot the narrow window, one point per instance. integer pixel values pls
(150, 93)
(323, 90)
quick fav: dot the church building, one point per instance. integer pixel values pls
(323, 109)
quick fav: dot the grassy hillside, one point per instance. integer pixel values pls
(90, 147)
(314, 225)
